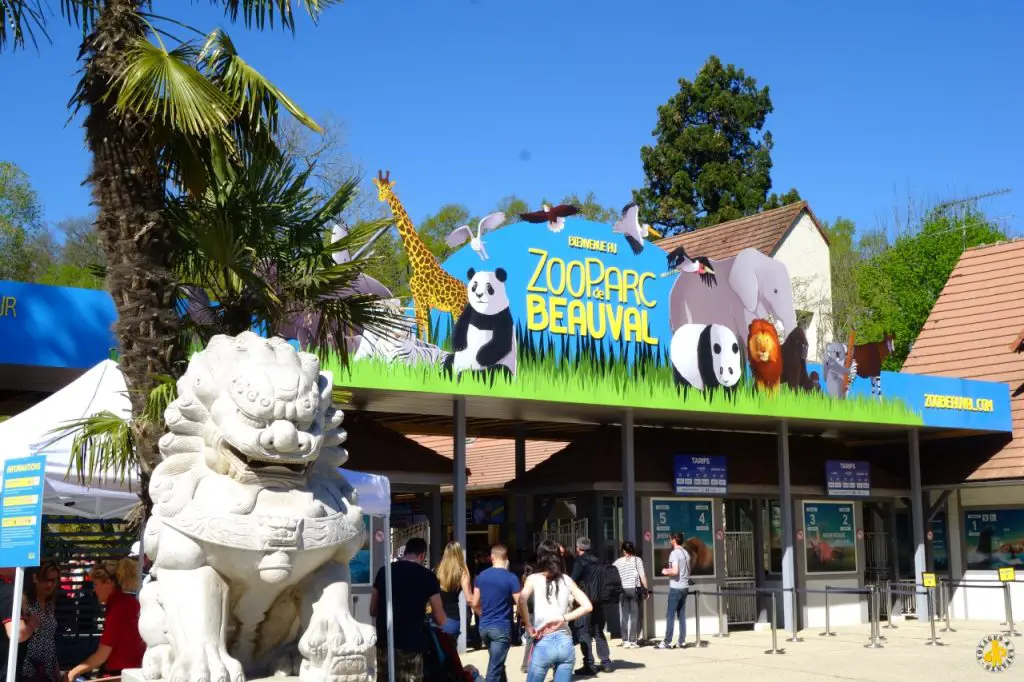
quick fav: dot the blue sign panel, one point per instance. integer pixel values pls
(699, 475)
(21, 511)
(847, 479)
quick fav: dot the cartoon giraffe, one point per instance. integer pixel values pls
(432, 287)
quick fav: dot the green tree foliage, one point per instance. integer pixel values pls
(20, 222)
(898, 285)
(711, 161)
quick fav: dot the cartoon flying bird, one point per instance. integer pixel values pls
(461, 234)
(679, 261)
(629, 225)
(554, 217)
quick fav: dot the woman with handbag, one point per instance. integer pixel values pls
(634, 591)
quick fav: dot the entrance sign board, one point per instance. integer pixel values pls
(700, 475)
(847, 479)
(994, 537)
(939, 548)
(831, 537)
(21, 511)
(692, 517)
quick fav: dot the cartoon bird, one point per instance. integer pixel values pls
(632, 229)
(486, 224)
(554, 217)
(679, 261)
(765, 353)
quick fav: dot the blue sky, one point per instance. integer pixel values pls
(470, 100)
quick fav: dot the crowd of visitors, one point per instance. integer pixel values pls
(114, 583)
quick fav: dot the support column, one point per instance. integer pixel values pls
(459, 500)
(759, 539)
(788, 530)
(438, 538)
(917, 518)
(522, 543)
(629, 524)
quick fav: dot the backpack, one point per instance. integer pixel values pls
(603, 584)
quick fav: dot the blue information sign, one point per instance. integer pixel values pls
(21, 511)
(700, 475)
(847, 479)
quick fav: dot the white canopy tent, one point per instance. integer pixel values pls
(375, 500)
(100, 389)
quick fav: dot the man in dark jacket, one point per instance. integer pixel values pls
(591, 626)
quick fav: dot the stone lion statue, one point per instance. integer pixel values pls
(253, 526)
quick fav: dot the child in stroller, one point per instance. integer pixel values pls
(441, 661)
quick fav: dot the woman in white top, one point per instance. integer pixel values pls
(634, 588)
(549, 629)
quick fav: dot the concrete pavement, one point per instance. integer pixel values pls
(904, 657)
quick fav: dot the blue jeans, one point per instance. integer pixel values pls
(552, 652)
(497, 640)
(676, 607)
(452, 627)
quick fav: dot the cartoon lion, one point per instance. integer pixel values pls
(765, 354)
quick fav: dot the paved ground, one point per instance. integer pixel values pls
(741, 657)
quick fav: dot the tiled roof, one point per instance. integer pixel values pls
(373, 448)
(763, 231)
(967, 332)
(492, 461)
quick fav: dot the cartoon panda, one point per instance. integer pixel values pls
(484, 339)
(706, 356)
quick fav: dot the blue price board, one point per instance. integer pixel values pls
(847, 479)
(699, 475)
(21, 511)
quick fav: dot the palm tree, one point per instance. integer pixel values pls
(157, 116)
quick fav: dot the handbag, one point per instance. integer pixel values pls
(641, 592)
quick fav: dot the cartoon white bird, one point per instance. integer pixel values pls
(489, 222)
(680, 261)
(554, 217)
(632, 229)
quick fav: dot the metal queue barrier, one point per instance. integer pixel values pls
(874, 609)
(947, 585)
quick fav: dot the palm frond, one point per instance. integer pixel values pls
(162, 395)
(81, 13)
(256, 97)
(20, 19)
(166, 87)
(260, 13)
(103, 444)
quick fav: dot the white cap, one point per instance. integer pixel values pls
(134, 551)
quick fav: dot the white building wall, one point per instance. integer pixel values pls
(806, 255)
(979, 603)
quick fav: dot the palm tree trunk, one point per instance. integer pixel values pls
(128, 191)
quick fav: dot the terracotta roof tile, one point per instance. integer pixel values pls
(967, 332)
(762, 231)
(492, 461)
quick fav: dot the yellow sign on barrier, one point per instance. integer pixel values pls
(928, 579)
(1007, 574)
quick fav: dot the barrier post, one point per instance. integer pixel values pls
(828, 623)
(934, 641)
(696, 611)
(889, 606)
(775, 641)
(1008, 602)
(945, 589)
(723, 623)
(795, 637)
(873, 605)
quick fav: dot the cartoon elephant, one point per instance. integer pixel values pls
(746, 287)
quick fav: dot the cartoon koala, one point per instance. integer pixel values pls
(835, 371)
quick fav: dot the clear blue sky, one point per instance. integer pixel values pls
(871, 98)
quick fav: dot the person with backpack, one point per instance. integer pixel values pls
(678, 573)
(600, 582)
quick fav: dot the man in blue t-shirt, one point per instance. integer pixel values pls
(496, 591)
